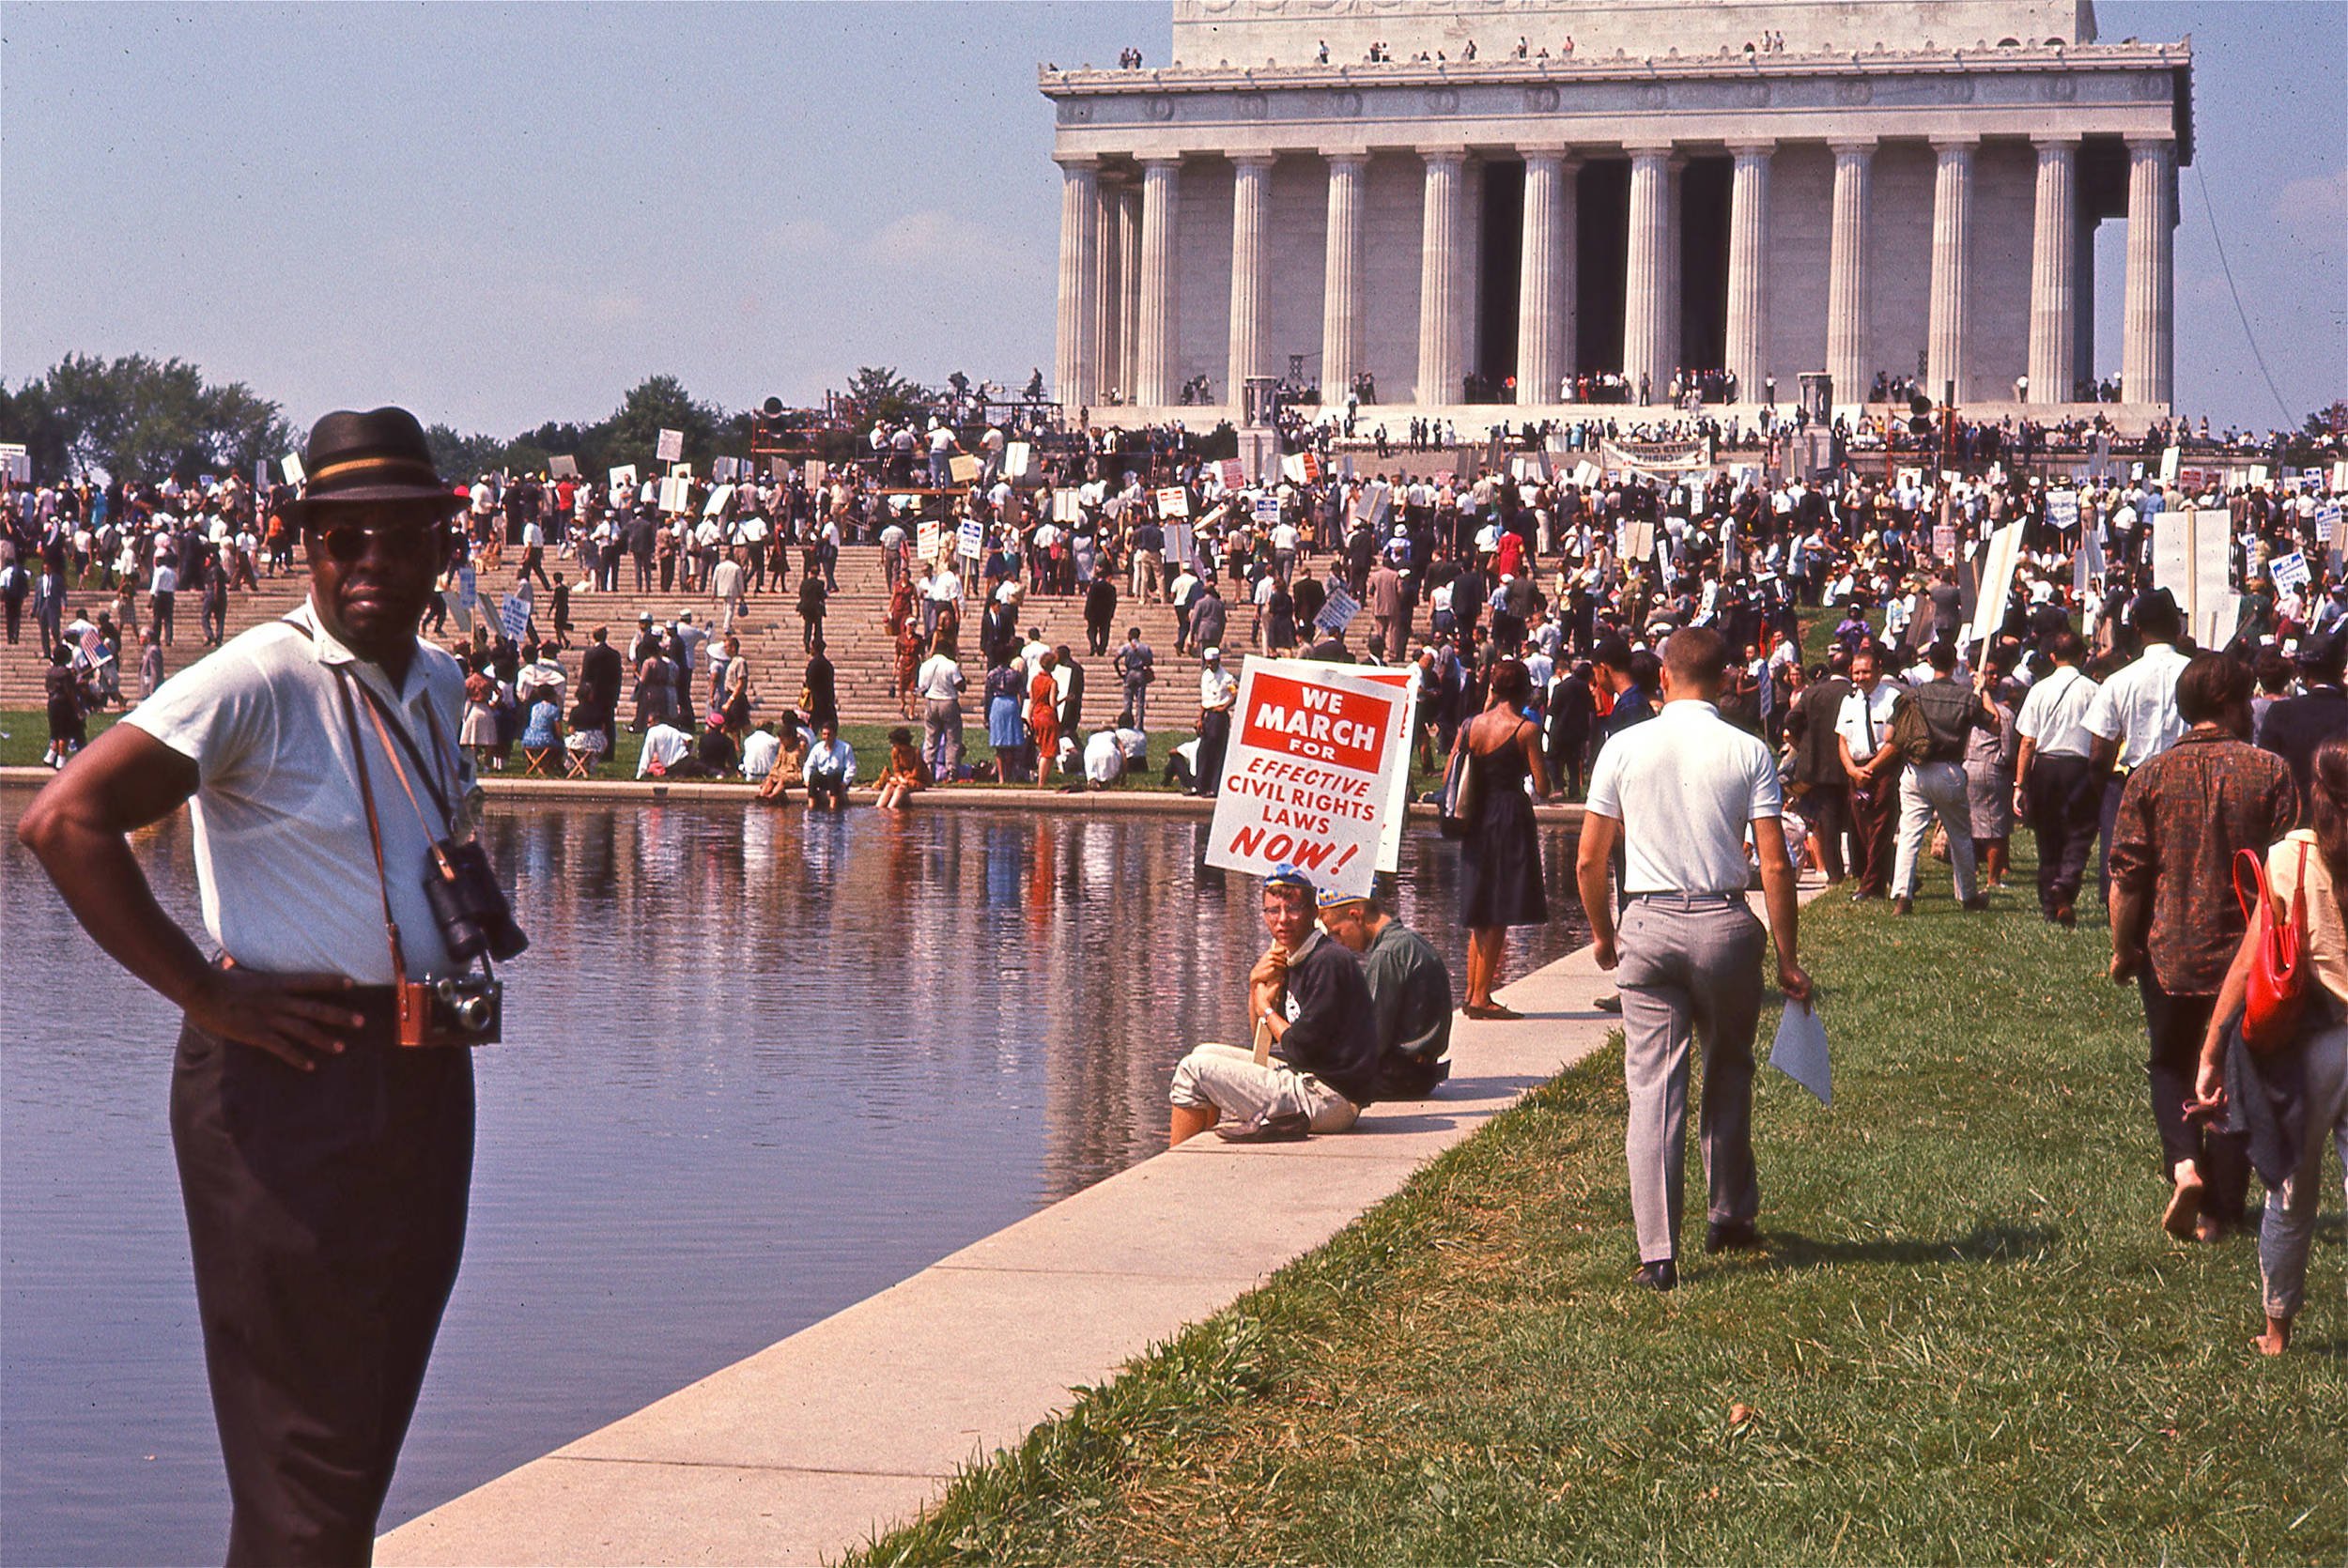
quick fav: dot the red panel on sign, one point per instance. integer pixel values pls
(1315, 724)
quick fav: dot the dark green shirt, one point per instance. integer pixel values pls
(1409, 993)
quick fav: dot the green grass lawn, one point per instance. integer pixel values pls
(1968, 1340)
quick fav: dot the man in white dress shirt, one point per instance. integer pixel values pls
(2056, 787)
(2134, 717)
(1678, 794)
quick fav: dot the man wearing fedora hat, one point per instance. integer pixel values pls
(325, 1167)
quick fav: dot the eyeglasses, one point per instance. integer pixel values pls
(350, 542)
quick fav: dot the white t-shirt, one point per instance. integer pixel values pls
(2054, 714)
(2138, 707)
(1684, 786)
(940, 679)
(283, 861)
(759, 752)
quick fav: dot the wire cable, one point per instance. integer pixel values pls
(2201, 176)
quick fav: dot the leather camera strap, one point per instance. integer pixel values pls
(375, 827)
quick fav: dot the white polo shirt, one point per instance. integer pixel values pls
(2054, 714)
(282, 858)
(1684, 786)
(2138, 707)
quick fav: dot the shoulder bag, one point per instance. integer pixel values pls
(2279, 971)
(1455, 806)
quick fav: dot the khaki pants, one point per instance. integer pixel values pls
(1228, 1078)
(1148, 570)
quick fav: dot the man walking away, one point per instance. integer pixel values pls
(1678, 794)
(2055, 785)
(1930, 725)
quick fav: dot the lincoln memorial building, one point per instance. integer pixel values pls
(1530, 203)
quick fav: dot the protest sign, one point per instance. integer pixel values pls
(1338, 610)
(2290, 571)
(563, 467)
(513, 614)
(1309, 778)
(1300, 468)
(468, 597)
(676, 495)
(1586, 474)
(2328, 523)
(725, 469)
(1019, 460)
(927, 536)
(1067, 507)
(291, 463)
(719, 499)
(623, 479)
(1635, 540)
(2062, 509)
(1173, 502)
(970, 538)
(1181, 549)
(962, 468)
(1372, 503)
(1944, 541)
(671, 446)
(1233, 473)
(1997, 583)
(2340, 475)
(2258, 476)
(9, 455)
(17, 459)
(1267, 511)
(681, 471)
(815, 474)
(2171, 459)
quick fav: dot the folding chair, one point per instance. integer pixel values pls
(535, 760)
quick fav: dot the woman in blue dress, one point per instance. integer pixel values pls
(1006, 728)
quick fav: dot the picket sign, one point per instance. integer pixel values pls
(671, 446)
(1315, 774)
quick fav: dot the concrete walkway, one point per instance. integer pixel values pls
(854, 1425)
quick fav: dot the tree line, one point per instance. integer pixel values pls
(141, 420)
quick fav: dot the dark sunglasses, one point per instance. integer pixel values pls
(350, 542)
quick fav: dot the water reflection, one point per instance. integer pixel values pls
(762, 1065)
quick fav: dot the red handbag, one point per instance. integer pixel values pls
(2279, 973)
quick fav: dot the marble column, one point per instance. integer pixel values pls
(1156, 337)
(1946, 329)
(1545, 287)
(1647, 306)
(2148, 326)
(1849, 359)
(1107, 291)
(1441, 354)
(1675, 293)
(1075, 350)
(1341, 277)
(1748, 335)
(2053, 267)
(1251, 257)
(1128, 290)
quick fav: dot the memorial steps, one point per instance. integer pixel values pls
(857, 640)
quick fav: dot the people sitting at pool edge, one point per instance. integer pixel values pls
(1410, 994)
(830, 770)
(1307, 996)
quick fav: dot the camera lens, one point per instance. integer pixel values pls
(474, 1013)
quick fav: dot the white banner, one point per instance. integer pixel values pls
(671, 447)
(291, 463)
(1310, 776)
(2290, 571)
(1997, 583)
(1173, 502)
(970, 539)
(927, 538)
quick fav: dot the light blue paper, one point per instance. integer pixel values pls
(1800, 1050)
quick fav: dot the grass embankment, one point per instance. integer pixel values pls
(1968, 1340)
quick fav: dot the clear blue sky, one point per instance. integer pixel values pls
(498, 214)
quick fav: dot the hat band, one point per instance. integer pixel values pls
(354, 467)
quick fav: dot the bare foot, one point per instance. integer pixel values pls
(2185, 1205)
(2276, 1339)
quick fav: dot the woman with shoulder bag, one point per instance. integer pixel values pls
(2316, 1063)
(1500, 856)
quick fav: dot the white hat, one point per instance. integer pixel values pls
(1215, 654)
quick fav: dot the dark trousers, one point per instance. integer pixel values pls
(159, 612)
(2175, 1025)
(1826, 809)
(1875, 833)
(2064, 798)
(1214, 738)
(326, 1213)
(2108, 822)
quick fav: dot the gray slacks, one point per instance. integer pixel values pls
(1690, 967)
